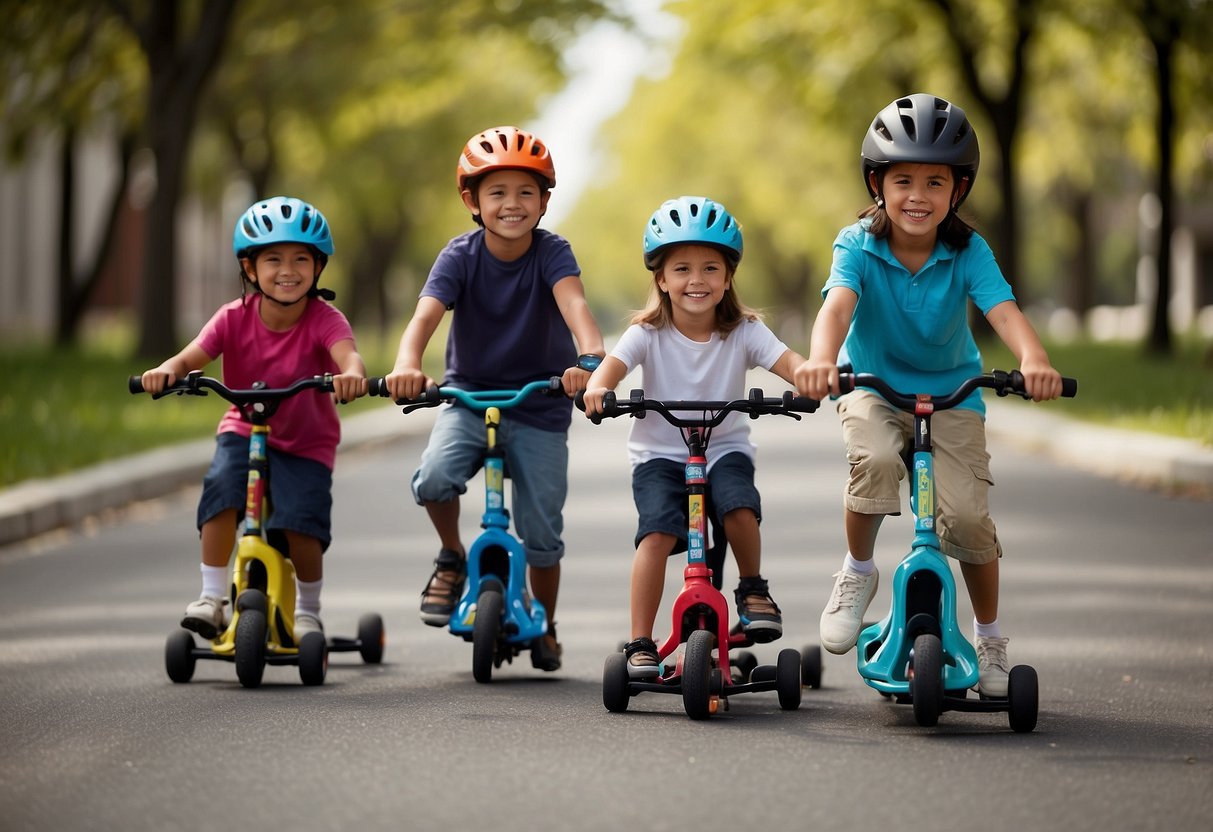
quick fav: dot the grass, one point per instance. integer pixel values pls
(66, 409)
(1121, 386)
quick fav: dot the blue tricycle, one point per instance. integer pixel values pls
(495, 612)
(916, 654)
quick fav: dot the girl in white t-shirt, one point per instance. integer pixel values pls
(694, 340)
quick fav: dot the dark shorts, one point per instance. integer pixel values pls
(660, 492)
(301, 491)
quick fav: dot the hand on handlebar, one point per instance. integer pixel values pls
(591, 401)
(155, 381)
(1041, 381)
(347, 387)
(817, 379)
(408, 383)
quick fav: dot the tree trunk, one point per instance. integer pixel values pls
(1163, 29)
(177, 74)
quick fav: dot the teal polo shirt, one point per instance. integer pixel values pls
(912, 330)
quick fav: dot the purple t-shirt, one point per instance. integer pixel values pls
(305, 425)
(506, 329)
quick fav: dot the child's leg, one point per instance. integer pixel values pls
(648, 581)
(219, 538)
(545, 584)
(445, 518)
(861, 531)
(745, 539)
(981, 579)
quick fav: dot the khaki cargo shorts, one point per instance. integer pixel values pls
(876, 433)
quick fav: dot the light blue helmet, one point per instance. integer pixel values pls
(691, 219)
(282, 219)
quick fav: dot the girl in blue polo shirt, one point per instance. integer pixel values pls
(896, 306)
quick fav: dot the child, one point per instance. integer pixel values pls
(896, 300)
(695, 340)
(280, 333)
(518, 305)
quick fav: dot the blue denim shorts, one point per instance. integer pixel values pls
(536, 461)
(301, 491)
(660, 493)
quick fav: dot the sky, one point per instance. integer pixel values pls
(603, 65)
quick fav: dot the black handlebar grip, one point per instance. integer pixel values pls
(579, 400)
(135, 384)
(1069, 387)
(376, 386)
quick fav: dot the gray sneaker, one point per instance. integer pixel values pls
(208, 616)
(993, 667)
(842, 618)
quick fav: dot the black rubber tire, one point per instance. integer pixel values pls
(926, 688)
(179, 658)
(615, 692)
(745, 662)
(1023, 698)
(253, 599)
(313, 659)
(250, 647)
(787, 679)
(370, 638)
(811, 666)
(485, 630)
(697, 675)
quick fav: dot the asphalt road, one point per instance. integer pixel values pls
(1107, 592)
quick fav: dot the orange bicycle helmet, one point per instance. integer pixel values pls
(504, 148)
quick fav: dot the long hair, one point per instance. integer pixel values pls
(658, 312)
(953, 231)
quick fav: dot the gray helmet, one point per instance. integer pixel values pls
(925, 129)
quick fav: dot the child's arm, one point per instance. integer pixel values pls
(350, 383)
(407, 381)
(570, 299)
(193, 357)
(607, 377)
(787, 364)
(1040, 379)
(818, 376)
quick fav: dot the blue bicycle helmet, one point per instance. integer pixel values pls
(282, 219)
(691, 219)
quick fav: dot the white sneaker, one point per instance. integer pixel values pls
(993, 667)
(842, 618)
(208, 616)
(306, 622)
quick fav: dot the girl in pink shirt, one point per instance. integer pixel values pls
(281, 331)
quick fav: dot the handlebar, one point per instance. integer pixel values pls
(261, 401)
(478, 400)
(1002, 383)
(712, 412)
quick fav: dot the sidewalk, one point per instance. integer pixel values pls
(37, 506)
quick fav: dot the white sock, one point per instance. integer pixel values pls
(307, 597)
(986, 630)
(214, 581)
(862, 567)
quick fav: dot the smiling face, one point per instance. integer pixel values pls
(510, 204)
(695, 278)
(918, 198)
(284, 272)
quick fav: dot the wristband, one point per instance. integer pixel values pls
(589, 362)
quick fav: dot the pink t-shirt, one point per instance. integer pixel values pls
(306, 424)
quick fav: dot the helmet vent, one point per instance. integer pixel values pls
(286, 213)
(711, 220)
(908, 124)
(676, 218)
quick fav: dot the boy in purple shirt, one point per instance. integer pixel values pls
(518, 304)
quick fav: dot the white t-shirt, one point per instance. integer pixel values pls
(675, 367)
